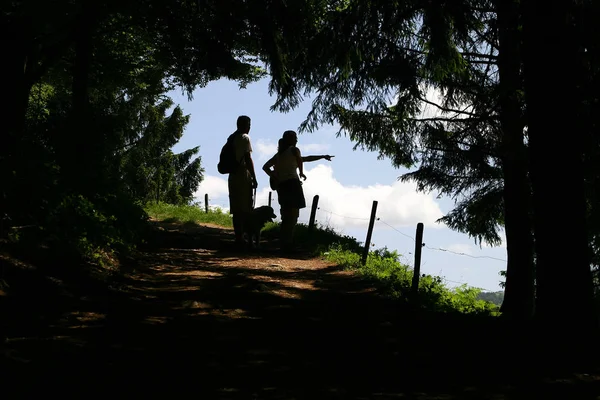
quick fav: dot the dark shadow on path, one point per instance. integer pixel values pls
(194, 319)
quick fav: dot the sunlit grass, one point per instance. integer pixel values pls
(188, 214)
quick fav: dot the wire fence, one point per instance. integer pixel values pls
(379, 220)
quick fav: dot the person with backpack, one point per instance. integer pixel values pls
(236, 160)
(285, 177)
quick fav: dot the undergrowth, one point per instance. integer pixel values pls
(80, 229)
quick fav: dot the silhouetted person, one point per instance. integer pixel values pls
(288, 169)
(242, 181)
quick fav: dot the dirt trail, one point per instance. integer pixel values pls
(192, 318)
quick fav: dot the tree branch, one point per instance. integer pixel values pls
(480, 149)
(447, 110)
(452, 120)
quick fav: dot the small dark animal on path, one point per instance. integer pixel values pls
(255, 222)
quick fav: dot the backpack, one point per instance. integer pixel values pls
(227, 160)
(273, 180)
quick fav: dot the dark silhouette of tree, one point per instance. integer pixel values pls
(148, 169)
(553, 110)
(473, 148)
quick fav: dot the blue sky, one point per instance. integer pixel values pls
(346, 186)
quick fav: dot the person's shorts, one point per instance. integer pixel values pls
(290, 194)
(240, 193)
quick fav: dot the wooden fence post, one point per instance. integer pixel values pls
(313, 213)
(417, 267)
(206, 202)
(369, 232)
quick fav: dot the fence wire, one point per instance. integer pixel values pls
(440, 249)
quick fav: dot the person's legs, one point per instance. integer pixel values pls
(240, 203)
(289, 219)
(291, 199)
(238, 227)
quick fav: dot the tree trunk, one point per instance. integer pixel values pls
(77, 146)
(563, 276)
(158, 189)
(16, 90)
(519, 291)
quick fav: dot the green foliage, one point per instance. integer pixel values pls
(39, 100)
(502, 274)
(149, 170)
(86, 229)
(96, 217)
(385, 270)
(493, 297)
(317, 241)
(188, 213)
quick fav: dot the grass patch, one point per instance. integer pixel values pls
(190, 214)
(316, 242)
(383, 269)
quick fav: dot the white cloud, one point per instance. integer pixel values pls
(431, 108)
(215, 186)
(399, 204)
(460, 248)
